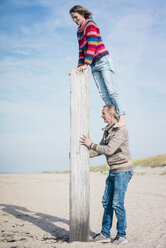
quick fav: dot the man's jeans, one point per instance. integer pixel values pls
(113, 199)
(104, 77)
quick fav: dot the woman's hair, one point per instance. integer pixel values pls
(82, 11)
(111, 109)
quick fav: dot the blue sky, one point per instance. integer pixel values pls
(38, 47)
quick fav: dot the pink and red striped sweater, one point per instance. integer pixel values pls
(91, 47)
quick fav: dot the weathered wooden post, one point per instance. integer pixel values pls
(79, 157)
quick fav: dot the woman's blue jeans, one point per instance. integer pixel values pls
(113, 200)
(104, 77)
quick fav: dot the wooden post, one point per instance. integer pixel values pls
(79, 157)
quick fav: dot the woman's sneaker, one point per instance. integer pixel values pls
(119, 240)
(100, 238)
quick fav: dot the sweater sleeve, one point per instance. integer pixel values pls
(93, 34)
(81, 57)
(112, 146)
(93, 153)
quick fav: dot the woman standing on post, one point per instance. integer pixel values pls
(93, 52)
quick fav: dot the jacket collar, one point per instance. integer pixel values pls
(109, 126)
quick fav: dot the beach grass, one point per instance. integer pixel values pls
(154, 161)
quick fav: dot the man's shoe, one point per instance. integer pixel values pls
(119, 240)
(100, 238)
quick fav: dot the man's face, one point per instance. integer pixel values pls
(108, 118)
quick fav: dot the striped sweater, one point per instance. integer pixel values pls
(91, 47)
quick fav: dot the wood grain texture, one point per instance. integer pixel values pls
(79, 157)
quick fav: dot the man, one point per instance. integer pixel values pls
(114, 145)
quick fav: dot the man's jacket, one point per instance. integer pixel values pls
(115, 146)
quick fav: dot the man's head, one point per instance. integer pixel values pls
(109, 113)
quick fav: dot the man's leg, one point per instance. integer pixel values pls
(120, 187)
(107, 205)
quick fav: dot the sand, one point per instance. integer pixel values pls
(34, 210)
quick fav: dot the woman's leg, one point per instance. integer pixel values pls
(109, 79)
(104, 76)
(101, 87)
(111, 86)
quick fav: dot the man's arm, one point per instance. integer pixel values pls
(113, 144)
(84, 140)
(93, 154)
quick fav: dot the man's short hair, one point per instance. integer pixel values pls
(111, 109)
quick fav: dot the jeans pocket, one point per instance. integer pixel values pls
(104, 58)
(111, 64)
(130, 174)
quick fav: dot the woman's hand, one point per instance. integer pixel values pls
(82, 68)
(84, 140)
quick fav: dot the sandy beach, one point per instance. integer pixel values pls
(34, 210)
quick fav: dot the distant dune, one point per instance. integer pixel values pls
(153, 162)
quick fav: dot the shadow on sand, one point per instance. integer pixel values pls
(44, 221)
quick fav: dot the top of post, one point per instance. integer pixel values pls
(74, 72)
